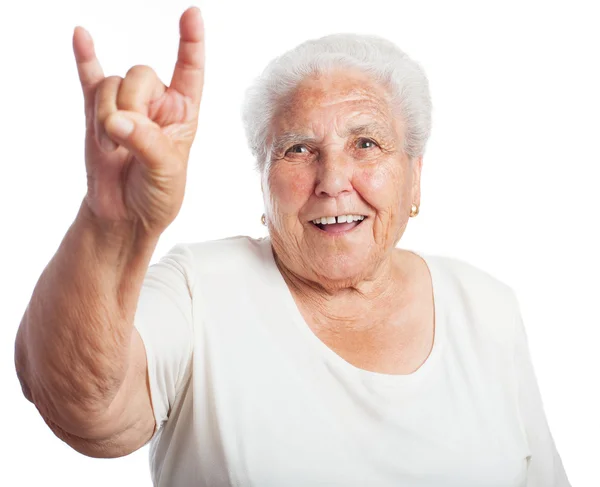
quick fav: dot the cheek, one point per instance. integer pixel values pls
(381, 187)
(291, 187)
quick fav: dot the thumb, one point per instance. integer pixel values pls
(141, 136)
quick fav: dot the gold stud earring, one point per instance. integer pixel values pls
(263, 220)
(414, 210)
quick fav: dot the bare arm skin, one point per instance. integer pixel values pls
(77, 354)
(79, 359)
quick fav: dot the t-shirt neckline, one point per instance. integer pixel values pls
(370, 379)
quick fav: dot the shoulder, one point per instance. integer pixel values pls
(475, 301)
(471, 280)
(231, 254)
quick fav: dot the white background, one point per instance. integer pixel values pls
(510, 176)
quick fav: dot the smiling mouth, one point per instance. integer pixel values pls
(338, 228)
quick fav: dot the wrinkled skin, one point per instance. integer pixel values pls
(356, 282)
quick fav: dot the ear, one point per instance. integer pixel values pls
(417, 166)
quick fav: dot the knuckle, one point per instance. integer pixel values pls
(107, 91)
(103, 112)
(139, 70)
(113, 79)
(134, 89)
(108, 85)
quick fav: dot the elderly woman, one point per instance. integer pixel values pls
(320, 355)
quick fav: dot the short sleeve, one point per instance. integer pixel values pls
(163, 319)
(545, 468)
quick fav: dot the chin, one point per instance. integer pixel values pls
(345, 267)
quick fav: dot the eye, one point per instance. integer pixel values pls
(364, 143)
(295, 149)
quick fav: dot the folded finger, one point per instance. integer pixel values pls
(105, 104)
(145, 139)
(139, 88)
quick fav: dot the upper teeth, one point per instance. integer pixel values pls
(324, 220)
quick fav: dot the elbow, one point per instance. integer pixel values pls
(24, 387)
(71, 406)
(105, 448)
(21, 368)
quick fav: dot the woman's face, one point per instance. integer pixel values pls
(336, 149)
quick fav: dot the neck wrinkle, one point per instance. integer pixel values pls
(364, 305)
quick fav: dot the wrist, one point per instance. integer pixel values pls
(122, 239)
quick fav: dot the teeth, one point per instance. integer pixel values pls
(325, 220)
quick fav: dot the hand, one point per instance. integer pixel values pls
(139, 132)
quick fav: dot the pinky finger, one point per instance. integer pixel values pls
(88, 67)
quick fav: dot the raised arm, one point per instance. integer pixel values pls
(77, 355)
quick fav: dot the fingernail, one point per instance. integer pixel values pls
(121, 126)
(107, 144)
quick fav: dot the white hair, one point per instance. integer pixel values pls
(375, 56)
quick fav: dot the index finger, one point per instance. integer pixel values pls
(88, 67)
(188, 76)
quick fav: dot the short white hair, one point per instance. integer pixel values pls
(375, 56)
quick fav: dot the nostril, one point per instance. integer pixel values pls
(333, 183)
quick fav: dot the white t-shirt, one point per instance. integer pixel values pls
(245, 394)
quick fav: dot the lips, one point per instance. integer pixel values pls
(344, 218)
(337, 228)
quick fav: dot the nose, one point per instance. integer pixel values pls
(334, 177)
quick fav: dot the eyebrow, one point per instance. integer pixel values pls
(286, 139)
(293, 138)
(367, 128)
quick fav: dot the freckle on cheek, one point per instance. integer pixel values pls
(299, 183)
(293, 185)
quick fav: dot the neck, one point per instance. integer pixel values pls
(359, 304)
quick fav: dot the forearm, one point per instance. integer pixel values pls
(72, 347)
